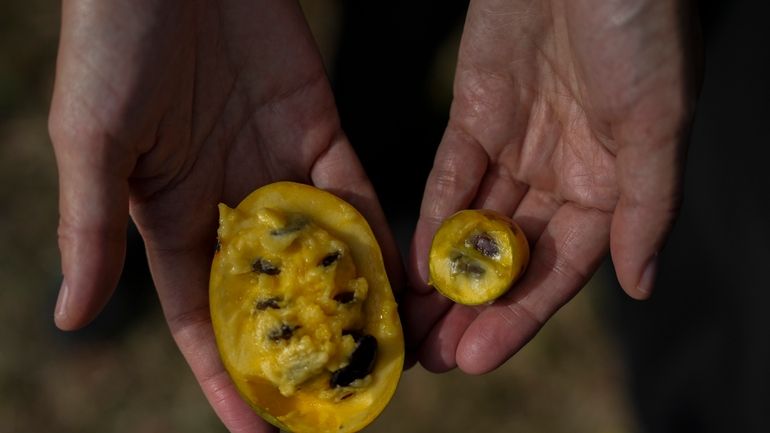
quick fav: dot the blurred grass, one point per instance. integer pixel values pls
(568, 379)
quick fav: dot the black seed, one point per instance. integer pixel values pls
(361, 363)
(329, 259)
(273, 303)
(484, 244)
(263, 266)
(346, 396)
(474, 269)
(296, 223)
(219, 245)
(466, 265)
(284, 332)
(345, 297)
(284, 231)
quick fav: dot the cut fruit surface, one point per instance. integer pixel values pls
(303, 313)
(476, 256)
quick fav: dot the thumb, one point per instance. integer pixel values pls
(650, 182)
(458, 168)
(93, 215)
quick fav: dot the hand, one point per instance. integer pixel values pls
(162, 109)
(570, 116)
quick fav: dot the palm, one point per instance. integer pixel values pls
(166, 108)
(566, 119)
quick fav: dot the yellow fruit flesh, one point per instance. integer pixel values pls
(297, 268)
(476, 255)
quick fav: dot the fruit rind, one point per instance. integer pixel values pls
(305, 411)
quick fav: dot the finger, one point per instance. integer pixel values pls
(567, 253)
(181, 277)
(339, 171)
(499, 191)
(418, 313)
(458, 168)
(534, 212)
(438, 351)
(650, 195)
(93, 216)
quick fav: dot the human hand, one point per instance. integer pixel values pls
(570, 116)
(162, 109)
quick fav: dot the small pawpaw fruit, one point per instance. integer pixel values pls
(476, 255)
(302, 310)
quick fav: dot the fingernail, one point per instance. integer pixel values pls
(647, 282)
(60, 313)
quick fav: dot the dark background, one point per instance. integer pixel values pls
(698, 354)
(693, 359)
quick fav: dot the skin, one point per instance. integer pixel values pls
(570, 116)
(161, 110)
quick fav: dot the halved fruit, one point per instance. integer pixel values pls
(303, 313)
(476, 256)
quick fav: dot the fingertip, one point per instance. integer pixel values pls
(643, 289)
(438, 353)
(61, 314)
(92, 263)
(470, 356)
(458, 168)
(635, 245)
(419, 314)
(76, 309)
(635, 252)
(438, 364)
(495, 335)
(478, 356)
(423, 272)
(477, 350)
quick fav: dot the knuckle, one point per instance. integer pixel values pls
(446, 181)
(78, 132)
(517, 314)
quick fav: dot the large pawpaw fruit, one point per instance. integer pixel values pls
(303, 313)
(476, 256)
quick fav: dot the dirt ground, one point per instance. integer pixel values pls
(124, 374)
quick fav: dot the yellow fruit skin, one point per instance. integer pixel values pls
(478, 279)
(305, 411)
